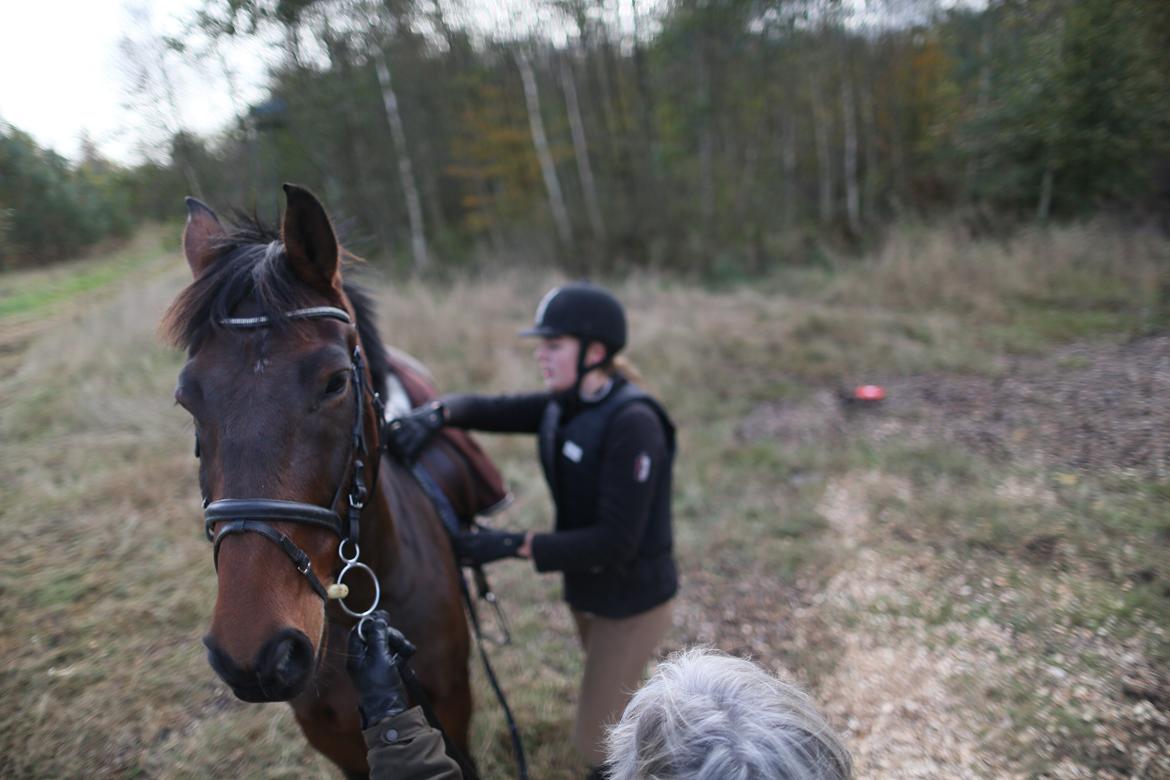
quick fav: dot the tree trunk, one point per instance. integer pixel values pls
(646, 106)
(651, 144)
(788, 159)
(869, 131)
(418, 240)
(824, 161)
(581, 149)
(1045, 205)
(613, 122)
(849, 128)
(706, 147)
(982, 101)
(548, 170)
(431, 170)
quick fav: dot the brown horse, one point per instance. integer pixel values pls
(279, 353)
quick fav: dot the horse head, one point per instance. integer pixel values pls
(286, 429)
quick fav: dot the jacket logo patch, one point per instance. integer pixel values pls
(572, 451)
(642, 467)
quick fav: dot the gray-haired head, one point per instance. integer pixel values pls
(708, 716)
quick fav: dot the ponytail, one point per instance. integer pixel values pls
(627, 370)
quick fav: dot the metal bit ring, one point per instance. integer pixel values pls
(361, 625)
(354, 563)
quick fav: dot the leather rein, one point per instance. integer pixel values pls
(253, 515)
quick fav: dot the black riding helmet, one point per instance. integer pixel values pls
(586, 311)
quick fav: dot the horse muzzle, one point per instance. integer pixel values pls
(280, 671)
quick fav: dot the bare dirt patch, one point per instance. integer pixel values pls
(931, 679)
(895, 691)
(1088, 406)
(949, 666)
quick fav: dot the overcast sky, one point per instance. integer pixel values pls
(60, 73)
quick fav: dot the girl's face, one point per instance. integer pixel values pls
(557, 358)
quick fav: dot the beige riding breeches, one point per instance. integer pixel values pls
(616, 652)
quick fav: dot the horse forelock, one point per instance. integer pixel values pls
(251, 265)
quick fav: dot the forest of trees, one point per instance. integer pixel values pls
(699, 135)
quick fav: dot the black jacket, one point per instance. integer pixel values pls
(608, 463)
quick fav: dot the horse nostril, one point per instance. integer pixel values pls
(285, 661)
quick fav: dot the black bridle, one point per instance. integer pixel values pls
(255, 515)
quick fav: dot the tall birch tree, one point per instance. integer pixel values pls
(849, 149)
(548, 168)
(581, 151)
(418, 240)
(821, 118)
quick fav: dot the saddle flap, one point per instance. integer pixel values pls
(476, 489)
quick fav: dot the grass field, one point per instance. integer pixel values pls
(973, 579)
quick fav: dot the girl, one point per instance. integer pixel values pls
(607, 450)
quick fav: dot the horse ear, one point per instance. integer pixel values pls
(200, 235)
(309, 240)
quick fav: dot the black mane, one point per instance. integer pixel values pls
(251, 265)
(367, 323)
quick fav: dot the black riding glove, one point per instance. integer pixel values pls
(373, 667)
(486, 546)
(407, 435)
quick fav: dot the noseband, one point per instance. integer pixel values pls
(254, 515)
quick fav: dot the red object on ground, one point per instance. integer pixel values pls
(869, 393)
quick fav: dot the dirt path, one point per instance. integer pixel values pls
(893, 688)
(929, 680)
(1086, 406)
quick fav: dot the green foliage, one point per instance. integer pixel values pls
(50, 209)
(719, 139)
(1085, 106)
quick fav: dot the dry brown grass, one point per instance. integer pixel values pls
(837, 558)
(1086, 265)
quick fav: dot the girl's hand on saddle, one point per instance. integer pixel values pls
(407, 435)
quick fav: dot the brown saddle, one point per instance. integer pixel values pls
(454, 460)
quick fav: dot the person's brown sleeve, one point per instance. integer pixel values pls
(406, 747)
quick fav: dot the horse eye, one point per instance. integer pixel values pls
(337, 383)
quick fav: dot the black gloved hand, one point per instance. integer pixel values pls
(407, 435)
(373, 667)
(486, 545)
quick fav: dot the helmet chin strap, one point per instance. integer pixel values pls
(582, 369)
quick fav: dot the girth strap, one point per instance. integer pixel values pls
(299, 557)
